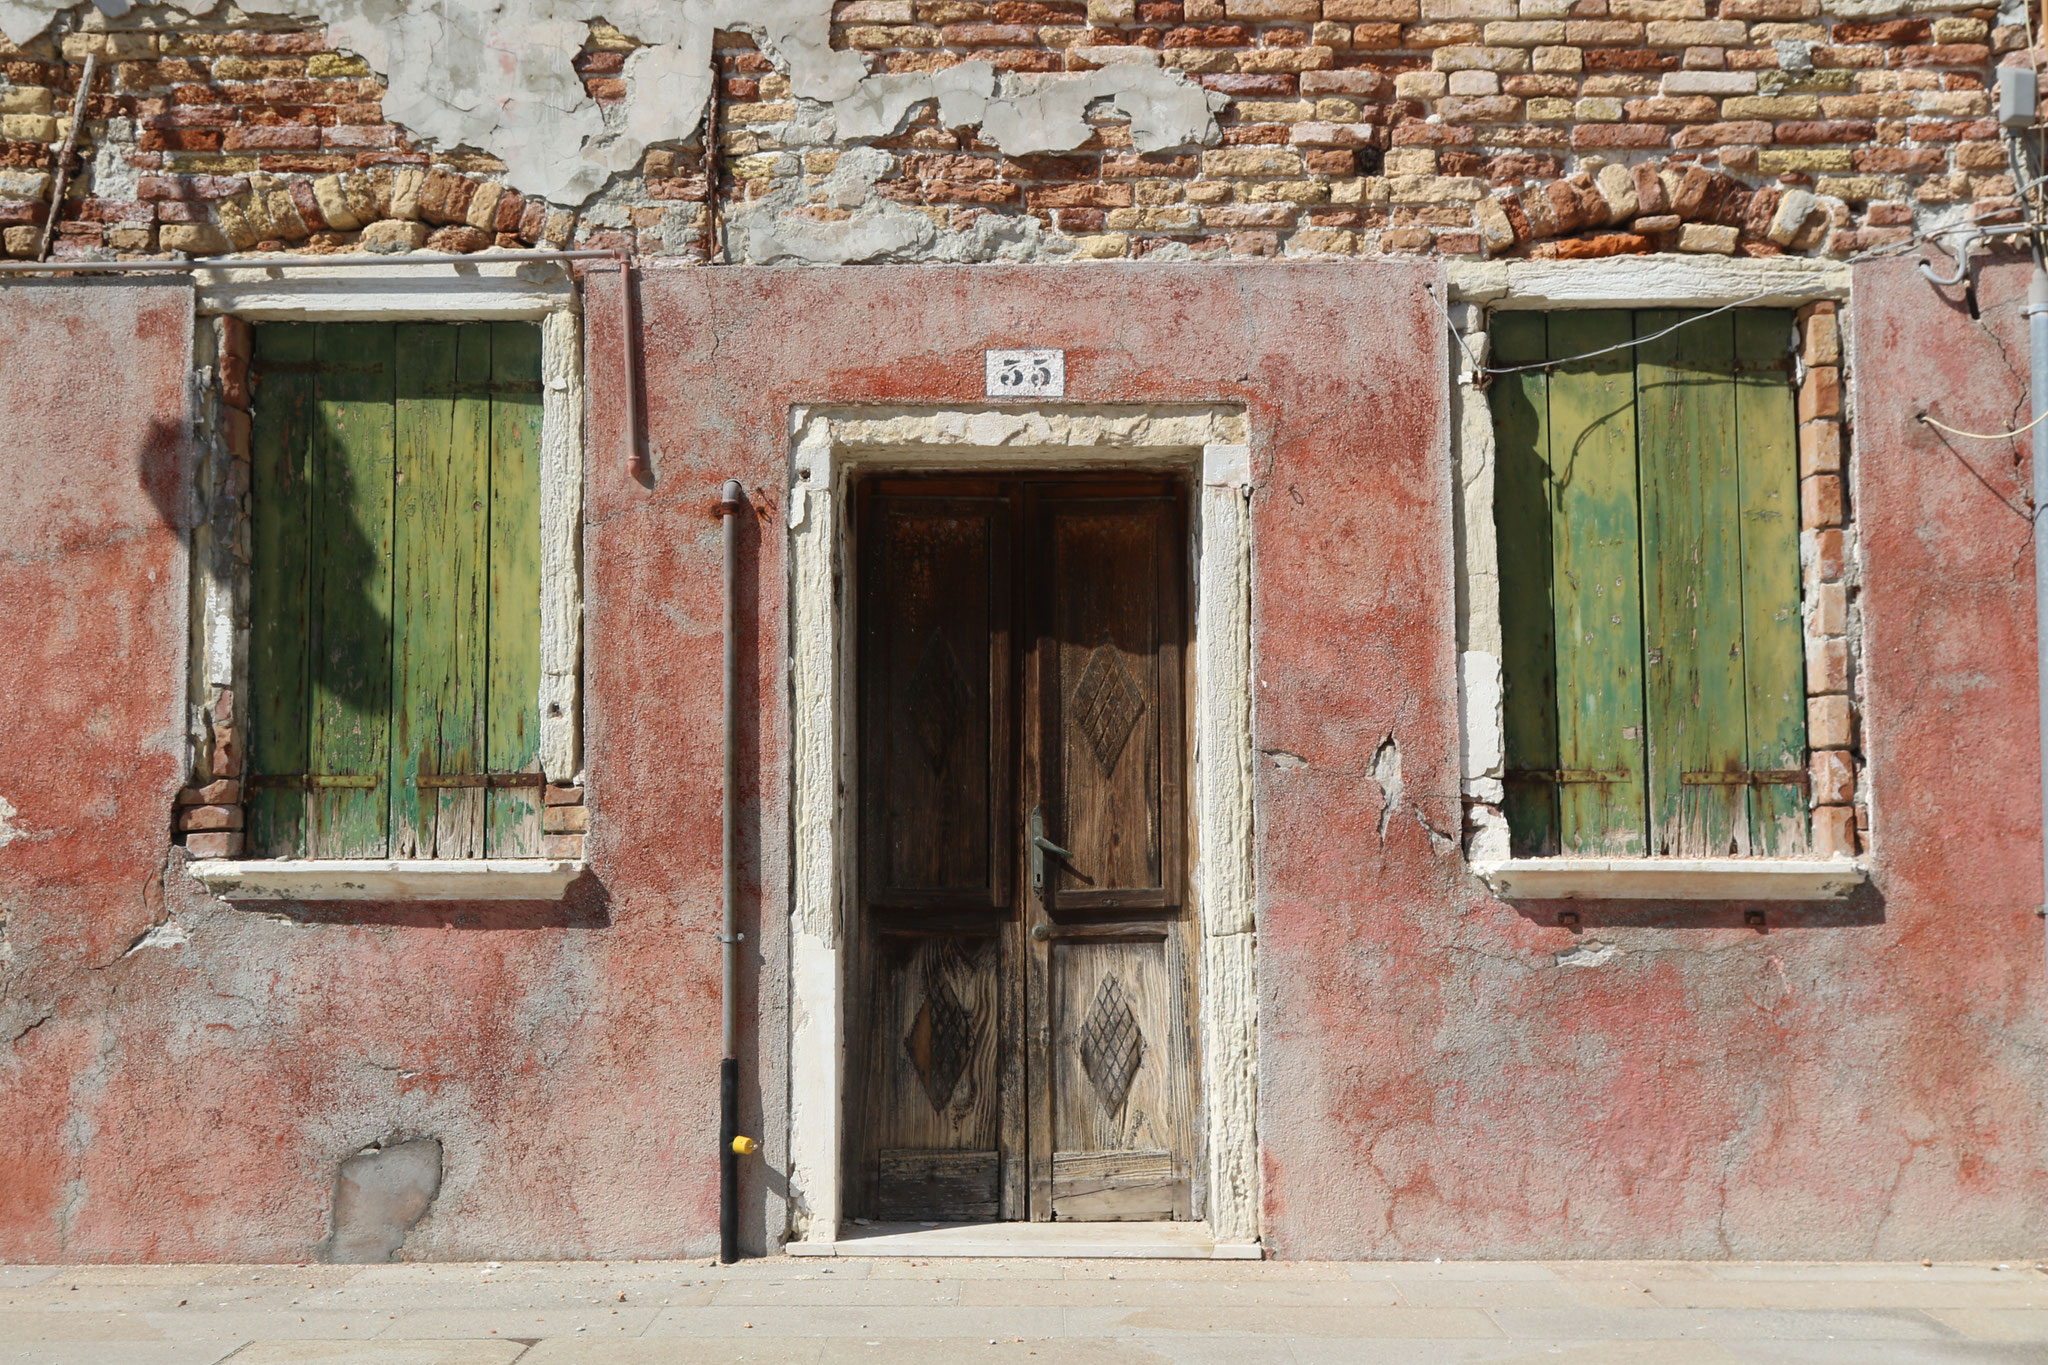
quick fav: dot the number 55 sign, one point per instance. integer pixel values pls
(1026, 374)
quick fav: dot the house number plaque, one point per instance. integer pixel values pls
(1040, 373)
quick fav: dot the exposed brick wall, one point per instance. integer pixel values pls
(1840, 821)
(1467, 127)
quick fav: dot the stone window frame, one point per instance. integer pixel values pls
(208, 818)
(830, 448)
(1818, 292)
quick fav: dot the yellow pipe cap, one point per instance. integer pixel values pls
(745, 1146)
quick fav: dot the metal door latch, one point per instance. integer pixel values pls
(1040, 846)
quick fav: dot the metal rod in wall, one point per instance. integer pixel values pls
(629, 339)
(731, 1145)
(63, 179)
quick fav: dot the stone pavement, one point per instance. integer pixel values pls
(964, 1312)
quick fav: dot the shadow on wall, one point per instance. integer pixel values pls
(1861, 910)
(585, 905)
(163, 469)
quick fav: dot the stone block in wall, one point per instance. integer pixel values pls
(214, 844)
(1834, 831)
(394, 235)
(1820, 447)
(1820, 501)
(1829, 724)
(1832, 773)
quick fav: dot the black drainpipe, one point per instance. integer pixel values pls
(731, 1145)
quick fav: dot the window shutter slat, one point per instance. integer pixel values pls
(1773, 649)
(281, 449)
(351, 515)
(1521, 424)
(1692, 593)
(440, 564)
(1595, 587)
(512, 725)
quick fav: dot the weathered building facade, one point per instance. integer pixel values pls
(1366, 627)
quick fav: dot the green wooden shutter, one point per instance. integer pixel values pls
(352, 581)
(396, 589)
(441, 555)
(1521, 499)
(1692, 586)
(1774, 662)
(1595, 587)
(280, 551)
(513, 815)
(1646, 504)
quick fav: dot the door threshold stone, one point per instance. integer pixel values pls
(1049, 1241)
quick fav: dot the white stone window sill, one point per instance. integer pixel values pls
(384, 879)
(1673, 879)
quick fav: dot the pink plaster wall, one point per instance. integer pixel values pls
(1859, 1080)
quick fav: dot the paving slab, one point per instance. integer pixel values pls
(380, 1353)
(1895, 1353)
(1515, 1353)
(127, 1353)
(1718, 1324)
(1174, 1293)
(894, 1321)
(1289, 1320)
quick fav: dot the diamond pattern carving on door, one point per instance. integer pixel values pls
(939, 1040)
(937, 697)
(1111, 1046)
(1107, 704)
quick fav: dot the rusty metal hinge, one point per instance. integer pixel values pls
(481, 780)
(1568, 775)
(1746, 777)
(301, 781)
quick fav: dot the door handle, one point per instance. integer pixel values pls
(1040, 846)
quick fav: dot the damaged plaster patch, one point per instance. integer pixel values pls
(1386, 775)
(9, 831)
(1046, 113)
(497, 75)
(379, 1193)
(169, 934)
(1586, 955)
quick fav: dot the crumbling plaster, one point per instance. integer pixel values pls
(497, 75)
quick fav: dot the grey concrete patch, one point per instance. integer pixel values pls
(378, 1195)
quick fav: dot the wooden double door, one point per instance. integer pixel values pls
(1024, 1039)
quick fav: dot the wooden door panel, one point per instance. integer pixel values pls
(934, 1070)
(1121, 1104)
(936, 687)
(1111, 704)
(1109, 999)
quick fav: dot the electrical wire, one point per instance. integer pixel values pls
(1585, 355)
(1982, 435)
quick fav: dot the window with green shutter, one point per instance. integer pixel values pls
(1647, 505)
(394, 657)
